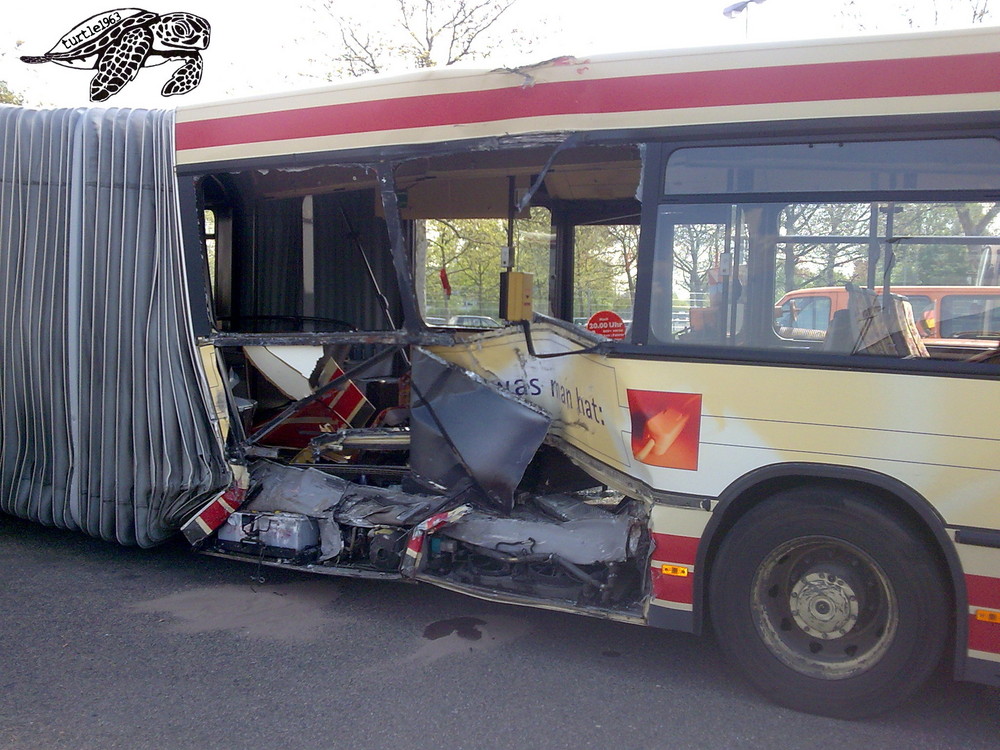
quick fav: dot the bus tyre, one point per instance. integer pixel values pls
(829, 604)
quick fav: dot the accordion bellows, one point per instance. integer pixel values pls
(103, 404)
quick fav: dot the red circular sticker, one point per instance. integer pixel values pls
(608, 324)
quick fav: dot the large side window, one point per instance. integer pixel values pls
(753, 256)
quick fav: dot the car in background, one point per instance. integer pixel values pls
(473, 321)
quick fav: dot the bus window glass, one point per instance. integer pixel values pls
(604, 272)
(966, 164)
(700, 275)
(782, 275)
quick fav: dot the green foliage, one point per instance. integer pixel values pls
(604, 269)
(825, 262)
(470, 249)
(9, 97)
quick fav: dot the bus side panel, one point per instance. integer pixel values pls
(692, 429)
(676, 535)
(982, 582)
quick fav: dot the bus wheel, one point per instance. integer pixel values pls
(828, 604)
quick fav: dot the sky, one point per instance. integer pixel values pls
(275, 47)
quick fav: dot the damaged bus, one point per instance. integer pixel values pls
(233, 320)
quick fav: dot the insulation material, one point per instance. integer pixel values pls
(105, 412)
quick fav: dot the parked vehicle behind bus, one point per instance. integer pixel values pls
(939, 312)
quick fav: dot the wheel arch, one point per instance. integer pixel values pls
(760, 484)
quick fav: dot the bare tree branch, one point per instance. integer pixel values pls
(421, 34)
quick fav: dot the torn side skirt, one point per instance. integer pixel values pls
(585, 541)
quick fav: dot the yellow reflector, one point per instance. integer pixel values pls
(674, 570)
(985, 615)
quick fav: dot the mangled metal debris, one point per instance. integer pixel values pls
(456, 515)
(463, 428)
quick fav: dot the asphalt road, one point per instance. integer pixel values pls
(106, 647)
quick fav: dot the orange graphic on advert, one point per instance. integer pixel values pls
(666, 428)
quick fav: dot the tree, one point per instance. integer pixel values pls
(928, 14)
(9, 97)
(418, 34)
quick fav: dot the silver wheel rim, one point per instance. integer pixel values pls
(824, 607)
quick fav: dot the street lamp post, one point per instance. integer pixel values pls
(731, 11)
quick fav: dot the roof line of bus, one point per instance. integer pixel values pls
(919, 73)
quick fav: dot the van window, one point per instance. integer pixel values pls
(970, 316)
(804, 313)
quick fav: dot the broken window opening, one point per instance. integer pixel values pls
(358, 443)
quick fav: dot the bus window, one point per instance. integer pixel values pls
(707, 272)
(604, 272)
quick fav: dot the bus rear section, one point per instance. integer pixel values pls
(831, 512)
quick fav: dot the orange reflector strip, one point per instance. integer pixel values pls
(675, 570)
(985, 615)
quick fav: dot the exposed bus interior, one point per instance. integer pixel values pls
(359, 439)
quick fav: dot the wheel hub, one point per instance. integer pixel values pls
(824, 605)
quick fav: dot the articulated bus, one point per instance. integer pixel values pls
(233, 321)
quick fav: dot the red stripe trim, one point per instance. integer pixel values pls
(984, 636)
(214, 515)
(675, 549)
(983, 592)
(673, 588)
(867, 79)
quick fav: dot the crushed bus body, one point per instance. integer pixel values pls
(242, 322)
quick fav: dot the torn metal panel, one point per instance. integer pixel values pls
(463, 428)
(569, 507)
(288, 368)
(305, 492)
(295, 490)
(369, 439)
(584, 541)
(212, 515)
(368, 507)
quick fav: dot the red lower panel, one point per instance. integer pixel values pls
(984, 636)
(678, 589)
(984, 591)
(675, 549)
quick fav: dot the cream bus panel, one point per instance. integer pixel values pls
(694, 428)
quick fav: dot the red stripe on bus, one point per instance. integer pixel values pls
(866, 79)
(214, 515)
(984, 636)
(984, 591)
(675, 549)
(678, 589)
